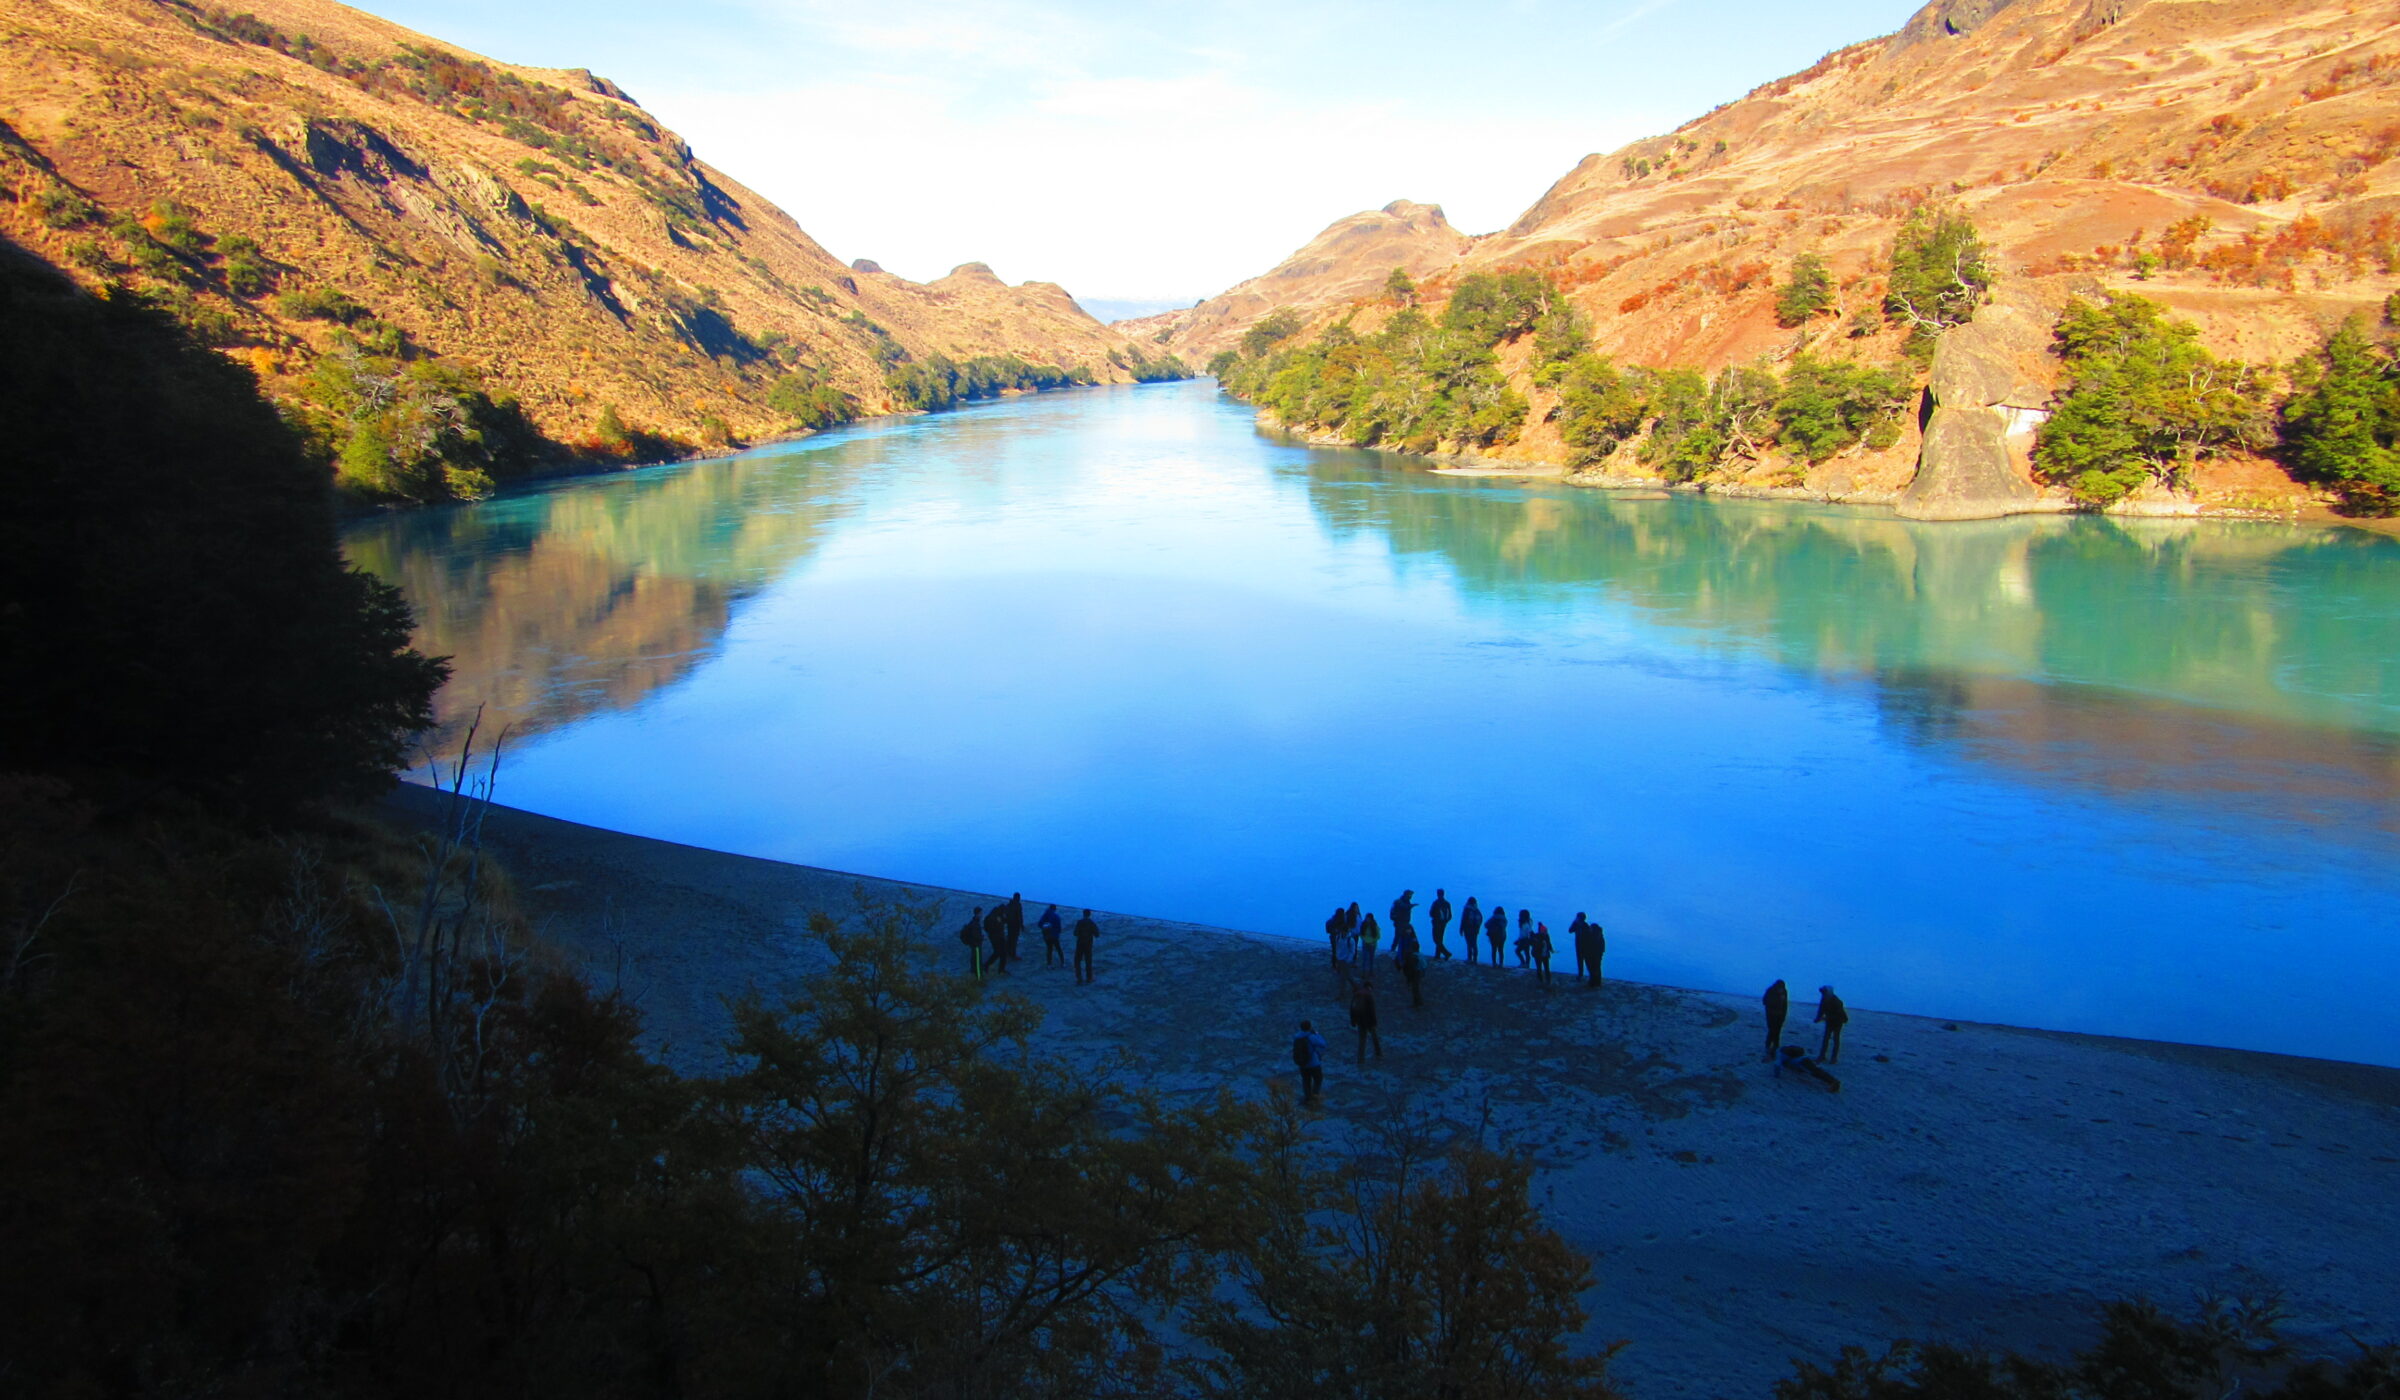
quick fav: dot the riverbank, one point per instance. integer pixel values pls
(1971, 1181)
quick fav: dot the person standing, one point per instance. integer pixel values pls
(995, 938)
(1412, 971)
(1016, 926)
(972, 936)
(1541, 954)
(1350, 918)
(1368, 937)
(1835, 1016)
(1308, 1052)
(1051, 926)
(1438, 915)
(1579, 934)
(1404, 910)
(1495, 932)
(1336, 925)
(1470, 927)
(1524, 943)
(1778, 1002)
(1599, 937)
(1085, 932)
(1362, 1015)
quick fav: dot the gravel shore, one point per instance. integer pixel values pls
(1974, 1182)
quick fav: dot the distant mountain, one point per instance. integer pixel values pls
(301, 178)
(2232, 160)
(1110, 310)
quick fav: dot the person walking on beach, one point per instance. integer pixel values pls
(1778, 1002)
(1404, 911)
(1495, 931)
(1835, 1016)
(1524, 943)
(1051, 926)
(1362, 1015)
(1016, 925)
(1470, 926)
(1085, 932)
(1541, 954)
(1438, 915)
(972, 936)
(1368, 937)
(1308, 1052)
(995, 938)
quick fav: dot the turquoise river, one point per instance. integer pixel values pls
(1115, 647)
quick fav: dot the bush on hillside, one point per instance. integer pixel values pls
(2342, 428)
(173, 607)
(1830, 406)
(1940, 274)
(2142, 401)
(1806, 295)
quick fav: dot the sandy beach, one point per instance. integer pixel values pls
(1973, 1182)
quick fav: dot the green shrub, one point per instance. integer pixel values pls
(1600, 407)
(1829, 406)
(809, 403)
(1806, 295)
(1940, 273)
(2342, 429)
(321, 303)
(2142, 401)
(1401, 287)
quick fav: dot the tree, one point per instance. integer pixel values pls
(2142, 401)
(954, 1214)
(1940, 273)
(1490, 307)
(1559, 336)
(2343, 428)
(1808, 293)
(174, 608)
(1434, 1278)
(1829, 406)
(1269, 331)
(1600, 407)
(1401, 287)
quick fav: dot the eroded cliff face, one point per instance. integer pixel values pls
(536, 224)
(2232, 159)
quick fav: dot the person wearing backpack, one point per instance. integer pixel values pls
(1308, 1052)
(1051, 925)
(972, 936)
(1086, 932)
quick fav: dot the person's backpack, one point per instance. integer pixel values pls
(1300, 1051)
(972, 935)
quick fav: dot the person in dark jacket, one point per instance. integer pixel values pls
(1470, 926)
(1308, 1052)
(1085, 932)
(1336, 925)
(1599, 937)
(1368, 937)
(972, 936)
(1579, 937)
(1523, 947)
(1778, 1002)
(995, 938)
(1835, 1016)
(1404, 913)
(1362, 1015)
(1495, 931)
(1438, 915)
(1016, 925)
(1539, 945)
(1051, 926)
(1412, 970)
(1350, 918)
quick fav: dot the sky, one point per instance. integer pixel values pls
(1142, 151)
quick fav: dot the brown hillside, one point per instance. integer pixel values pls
(1347, 262)
(535, 224)
(2081, 135)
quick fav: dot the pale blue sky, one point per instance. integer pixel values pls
(1149, 150)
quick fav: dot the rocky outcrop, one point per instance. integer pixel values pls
(1987, 394)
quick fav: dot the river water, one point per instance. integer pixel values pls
(1114, 646)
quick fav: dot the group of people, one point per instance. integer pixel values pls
(992, 936)
(1831, 1014)
(1356, 940)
